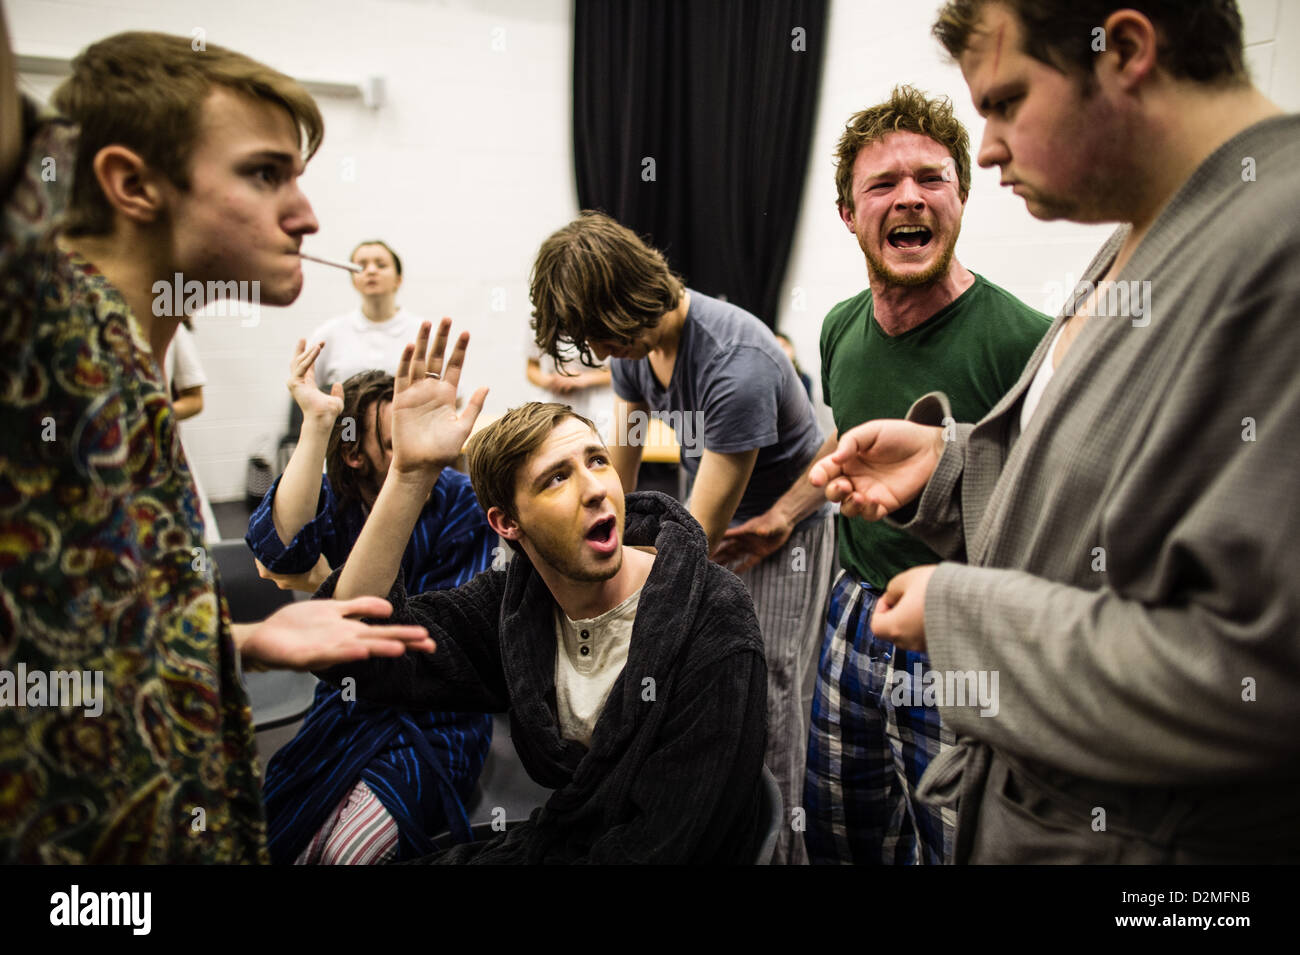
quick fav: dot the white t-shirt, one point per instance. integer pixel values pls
(589, 656)
(183, 371)
(181, 366)
(1042, 378)
(354, 343)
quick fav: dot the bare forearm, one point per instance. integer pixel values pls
(240, 634)
(536, 376)
(376, 557)
(188, 404)
(299, 489)
(803, 499)
(713, 520)
(627, 462)
(719, 486)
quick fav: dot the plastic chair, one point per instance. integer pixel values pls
(251, 598)
(278, 697)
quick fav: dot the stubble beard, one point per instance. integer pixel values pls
(934, 273)
(558, 560)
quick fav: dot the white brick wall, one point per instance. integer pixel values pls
(464, 172)
(469, 167)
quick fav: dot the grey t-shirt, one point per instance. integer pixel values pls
(733, 389)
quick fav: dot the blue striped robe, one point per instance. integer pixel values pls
(421, 765)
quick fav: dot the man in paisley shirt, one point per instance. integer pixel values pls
(186, 162)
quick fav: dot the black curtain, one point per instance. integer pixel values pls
(692, 121)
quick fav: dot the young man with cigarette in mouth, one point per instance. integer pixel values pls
(636, 684)
(1118, 533)
(186, 162)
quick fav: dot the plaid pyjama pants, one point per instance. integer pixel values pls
(865, 755)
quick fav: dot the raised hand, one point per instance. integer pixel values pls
(879, 466)
(747, 544)
(314, 634)
(428, 433)
(315, 404)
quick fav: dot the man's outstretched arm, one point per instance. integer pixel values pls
(309, 635)
(905, 471)
(465, 671)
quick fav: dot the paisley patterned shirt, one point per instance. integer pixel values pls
(104, 581)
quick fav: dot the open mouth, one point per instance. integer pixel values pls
(909, 237)
(601, 534)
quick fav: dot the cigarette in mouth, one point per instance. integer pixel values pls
(350, 266)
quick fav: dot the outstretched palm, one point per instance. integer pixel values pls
(879, 466)
(427, 430)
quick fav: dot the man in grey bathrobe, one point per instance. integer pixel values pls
(1119, 532)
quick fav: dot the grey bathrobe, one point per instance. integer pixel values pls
(1130, 565)
(673, 773)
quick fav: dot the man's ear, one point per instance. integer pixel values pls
(1133, 40)
(130, 186)
(507, 527)
(846, 215)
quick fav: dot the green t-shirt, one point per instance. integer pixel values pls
(973, 350)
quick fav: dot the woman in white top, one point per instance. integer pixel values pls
(373, 335)
(185, 381)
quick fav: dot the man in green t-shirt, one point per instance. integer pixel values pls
(926, 323)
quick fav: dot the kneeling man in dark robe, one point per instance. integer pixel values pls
(635, 682)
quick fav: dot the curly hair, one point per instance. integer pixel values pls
(906, 110)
